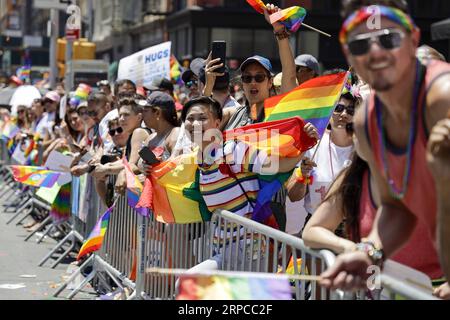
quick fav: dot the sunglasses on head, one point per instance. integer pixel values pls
(340, 108)
(387, 39)
(21, 111)
(82, 113)
(259, 78)
(113, 132)
(191, 83)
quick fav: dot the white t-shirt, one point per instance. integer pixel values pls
(231, 102)
(103, 128)
(323, 173)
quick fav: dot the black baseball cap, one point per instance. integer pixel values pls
(158, 99)
(160, 84)
(194, 69)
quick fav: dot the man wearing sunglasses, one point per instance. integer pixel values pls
(190, 77)
(409, 98)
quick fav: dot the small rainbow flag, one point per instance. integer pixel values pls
(134, 189)
(60, 211)
(292, 17)
(221, 287)
(95, 240)
(313, 101)
(35, 176)
(10, 130)
(175, 70)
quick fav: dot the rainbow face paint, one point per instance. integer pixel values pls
(365, 13)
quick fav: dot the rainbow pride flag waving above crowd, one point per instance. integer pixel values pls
(313, 101)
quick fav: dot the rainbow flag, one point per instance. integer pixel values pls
(11, 146)
(292, 18)
(220, 287)
(10, 130)
(314, 101)
(35, 176)
(24, 73)
(60, 210)
(172, 191)
(95, 240)
(134, 189)
(175, 70)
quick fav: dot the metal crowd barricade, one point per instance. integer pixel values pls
(168, 246)
(259, 248)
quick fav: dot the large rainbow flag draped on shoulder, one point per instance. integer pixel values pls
(313, 101)
(292, 18)
(95, 240)
(173, 192)
(35, 176)
(221, 287)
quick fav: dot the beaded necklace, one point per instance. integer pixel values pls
(398, 193)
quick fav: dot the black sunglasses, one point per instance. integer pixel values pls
(259, 78)
(112, 132)
(191, 83)
(388, 39)
(340, 108)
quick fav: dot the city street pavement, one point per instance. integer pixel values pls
(20, 276)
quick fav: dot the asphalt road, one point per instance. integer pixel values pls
(20, 276)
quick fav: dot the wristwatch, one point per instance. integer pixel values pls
(376, 255)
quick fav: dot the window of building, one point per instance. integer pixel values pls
(239, 41)
(201, 42)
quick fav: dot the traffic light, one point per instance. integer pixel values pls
(82, 50)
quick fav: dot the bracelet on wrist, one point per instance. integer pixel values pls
(282, 34)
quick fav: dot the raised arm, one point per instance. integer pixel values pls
(289, 79)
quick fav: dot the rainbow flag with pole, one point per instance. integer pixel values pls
(221, 287)
(134, 189)
(313, 101)
(292, 18)
(35, 176)
(95, 240)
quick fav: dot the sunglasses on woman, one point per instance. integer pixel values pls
(113, 132)
(259, 78)
(388, 39)
(340, 108)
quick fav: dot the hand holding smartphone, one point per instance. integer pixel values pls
(148, 156)
(219, 50)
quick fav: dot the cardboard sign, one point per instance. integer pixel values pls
(146, 65)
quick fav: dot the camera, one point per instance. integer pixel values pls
(114, 156)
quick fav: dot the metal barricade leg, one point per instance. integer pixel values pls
(65, 254)
(74, 275)
(19, 211)
(41, 227)
(55, 249)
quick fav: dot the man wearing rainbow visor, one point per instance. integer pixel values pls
(380, 39)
